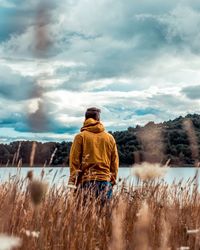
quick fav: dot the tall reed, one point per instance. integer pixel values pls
(153, 215)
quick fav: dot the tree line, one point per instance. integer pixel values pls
(176, 140)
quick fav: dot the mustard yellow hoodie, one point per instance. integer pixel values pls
(93, 155)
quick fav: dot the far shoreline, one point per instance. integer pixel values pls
(67, 166)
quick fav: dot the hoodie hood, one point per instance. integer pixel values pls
(93, 126)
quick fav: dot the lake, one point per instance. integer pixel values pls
(58, 175)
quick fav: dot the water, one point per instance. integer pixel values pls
(58, 176)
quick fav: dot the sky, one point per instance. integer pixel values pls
(138, 61)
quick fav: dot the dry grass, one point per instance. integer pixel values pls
(153, 216)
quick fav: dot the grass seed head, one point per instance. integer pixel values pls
(34, 234)
(30, 175)
(37, 191)
(9, 242)
(149, 171)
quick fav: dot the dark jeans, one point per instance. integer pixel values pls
(100, 189)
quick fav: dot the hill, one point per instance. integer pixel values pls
(177, 140)
(174, 139)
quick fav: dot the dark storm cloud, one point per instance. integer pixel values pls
(11, 22)
(18, 121)
(14, 86)
(173, 104)
(15, 19)
(10, 119)
(169, 100)
(53, 126)
(192, 92)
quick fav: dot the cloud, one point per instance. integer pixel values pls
(7, 4)
(136, 61)
(183, 31)
(17, 117)
(192, 92)
(14, 86)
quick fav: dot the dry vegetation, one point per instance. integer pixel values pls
(151, 216)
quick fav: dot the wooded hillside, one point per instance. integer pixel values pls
(177, 140)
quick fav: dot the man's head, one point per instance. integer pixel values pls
(93, 113)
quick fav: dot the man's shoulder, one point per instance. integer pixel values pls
(109, 136)
(78, 136)
(82, 134)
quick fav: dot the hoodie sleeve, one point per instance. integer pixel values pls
(114, 164)
(75, 160)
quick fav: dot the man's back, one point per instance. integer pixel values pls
(93, 155)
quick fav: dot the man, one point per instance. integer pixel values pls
(94, 158)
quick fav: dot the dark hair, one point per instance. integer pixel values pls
(93, 113)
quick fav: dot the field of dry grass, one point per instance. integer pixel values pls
(151, 216)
